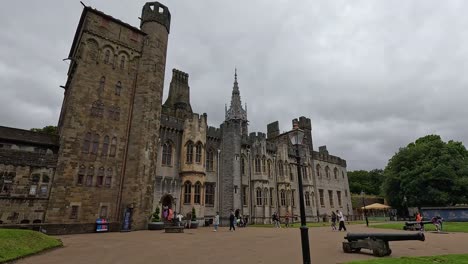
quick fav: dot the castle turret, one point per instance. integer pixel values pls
(178, 102)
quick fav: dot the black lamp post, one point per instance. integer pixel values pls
(296, 136)
(364, 204)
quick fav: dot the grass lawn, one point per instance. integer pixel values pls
(16, 243)
(445, 259)
(314, 224)
(447, 226)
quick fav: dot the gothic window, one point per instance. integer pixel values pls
(265, 196)
(74, 212)
(263, 164)
(291, 173)
(317, 168)
(105, 146)
(304, 169)
(322, 202)
(167, 154)
(293, 204)
(330, 196)
(89, 176)
(198, 152)
(86, 143)
(283, 198)
(288, 198)
(114, 113)
(100, 177)
(187, 192)
(95, 146)
(209, 160)
(335, 172)
(257, 165)
(122, 62)
(118, 88)
(327, 172)
(242, 165)
(338, 194)
(271, 196)
(45, 178)
(81, 175)
(269, 169)
(97, 109)
(108, 180)
(280, 168)
(307, 199)
(107, 57)
(197, 193)
(189, 157)
(259, 196)
(113, 147)
(244, 195)
(209, 194)
(102, 83)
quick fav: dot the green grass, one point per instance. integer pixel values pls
(313, 224)
(17, 243)
(447, 226)
(445, 259)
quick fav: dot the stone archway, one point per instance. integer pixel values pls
(167, 202)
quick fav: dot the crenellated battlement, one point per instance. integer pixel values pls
(179, 76)
(213, 132)
(172, 122)
(156, 12)
(323, 155)
(197, 122)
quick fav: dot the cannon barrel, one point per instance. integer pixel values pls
(385, 237)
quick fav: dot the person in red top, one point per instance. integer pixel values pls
(419, 219)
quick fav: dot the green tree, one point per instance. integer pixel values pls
(428, 172)
(368, 181)
(51, 130)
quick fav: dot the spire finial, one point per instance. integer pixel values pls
(235, 74)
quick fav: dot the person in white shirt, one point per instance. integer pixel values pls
(179, 218)
(216, 222)
(341, 218)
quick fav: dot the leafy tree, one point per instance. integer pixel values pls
(428, 172)
(155, 216)
(51, 130)
(368, 181)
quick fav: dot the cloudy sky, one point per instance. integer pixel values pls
(372, 75)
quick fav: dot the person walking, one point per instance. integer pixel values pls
(341, 218)
(179, 219)
(276, 220)
(333, 221)
(189, 220)
(232, 220)
(216, 222)
(286, 219)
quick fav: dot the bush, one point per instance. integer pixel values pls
(194, 215)
(155, 216)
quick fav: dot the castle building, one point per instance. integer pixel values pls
(121, 152)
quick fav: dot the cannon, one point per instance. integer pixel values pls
(376, 242)
(413, 225)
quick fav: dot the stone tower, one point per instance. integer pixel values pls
(233, 130)
(138, 181)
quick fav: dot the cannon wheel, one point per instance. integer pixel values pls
(347, 247)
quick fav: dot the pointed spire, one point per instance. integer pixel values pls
(235, 110)
(235, 75)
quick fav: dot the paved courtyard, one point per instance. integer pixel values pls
(246, 245)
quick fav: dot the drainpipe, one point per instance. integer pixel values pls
(218, 183)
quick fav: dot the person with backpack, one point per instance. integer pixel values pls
(333, 221)
(232, 221)
(276, 220)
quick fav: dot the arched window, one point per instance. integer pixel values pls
(113, 147)
(269, 168)
(293, 193)
(304, 169)
(209, 193)
(108, 181)
(197, 193)
(327, 172)
(100, 177)
(263, 164)
(209, 160)
(97, 109)
(105, 146)
(122, 62)
(257, 165)
(102, 83)
(198, 152)
(242, 165)
(189, 158)
(283, 198)
(335, 173)
(288, 198)
(307, 199)
(291, 173)
(259, 196)
(265, 196)
(280, 168)
(94, 149)
(167, 154)
(118, 88)
(187, 192)
(89, 176)
(81, 175)
(107, 57)
(86, 143)
(317, 168)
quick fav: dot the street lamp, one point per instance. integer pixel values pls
(364, 204)
(296, 136)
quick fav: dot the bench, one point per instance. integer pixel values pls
(173, 229)
(414, 226)
(377, 243)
